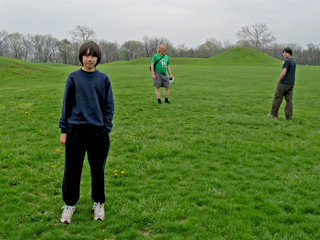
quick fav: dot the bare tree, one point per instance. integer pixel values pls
(15, 43)
(180, 51)
(147, 46)
(3, 43)
(131, 50)
(74, 54)
(38, 45)
(258, 37)
(313, 54)
(192, 53)
(64, 47)
(110, 52)
(210, 48)
(83, 34)
(44, 48)
(27, 43)
(227, 45)
(51, 48)
(151, 45)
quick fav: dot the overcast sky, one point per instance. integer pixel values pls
(189, 22)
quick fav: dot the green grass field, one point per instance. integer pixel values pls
(210, 165)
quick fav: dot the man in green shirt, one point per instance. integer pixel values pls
(160, 69)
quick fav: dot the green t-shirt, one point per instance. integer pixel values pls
(162, 65)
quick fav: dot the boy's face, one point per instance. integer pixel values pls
(286, 55)
(89, 62)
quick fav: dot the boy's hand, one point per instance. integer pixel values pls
(63, 139)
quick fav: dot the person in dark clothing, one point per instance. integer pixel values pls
(85, 123)
(285, 87)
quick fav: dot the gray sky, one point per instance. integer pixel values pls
(189, 22)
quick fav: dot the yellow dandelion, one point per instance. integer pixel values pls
(53, 166)
(117, 136)
(58, 150)
(127, 114)
(115, 171)
(116, 174)
(122, 172)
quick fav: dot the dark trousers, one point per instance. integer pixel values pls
(285, 91)
(96, 142)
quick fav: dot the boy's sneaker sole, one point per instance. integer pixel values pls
(271, 116)
(67, 214)
(98, 210)
(65, 221)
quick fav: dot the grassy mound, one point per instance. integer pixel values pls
(138, 61)
(240, 56)
(12, 63)
(15, 68)
(173, 60)
(182, 61)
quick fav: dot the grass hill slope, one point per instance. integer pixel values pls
(173, 60)
(27, 72)
(14, 68)
(240, 56)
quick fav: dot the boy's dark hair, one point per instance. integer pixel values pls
(288, 50)
(94, 51)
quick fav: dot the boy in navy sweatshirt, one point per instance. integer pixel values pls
(85, 123)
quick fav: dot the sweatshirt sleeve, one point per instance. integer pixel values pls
(109, 106)
(67, 104)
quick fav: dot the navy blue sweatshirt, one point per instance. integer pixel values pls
(88, 101)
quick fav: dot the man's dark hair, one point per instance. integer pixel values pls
(94, 51)
(288, 50)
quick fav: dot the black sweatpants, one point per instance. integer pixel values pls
(96, 142)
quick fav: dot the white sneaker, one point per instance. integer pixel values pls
(98, 209)
(272, 116)
(67, 213)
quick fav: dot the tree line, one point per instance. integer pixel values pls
(46, 48)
